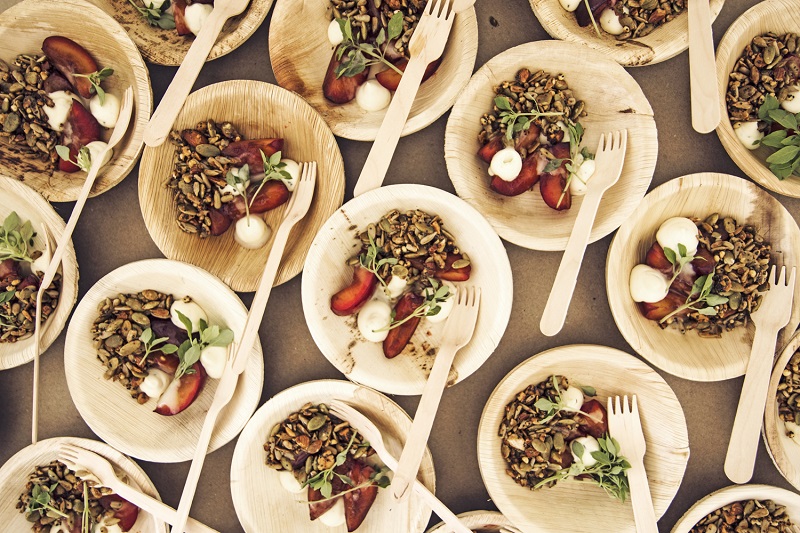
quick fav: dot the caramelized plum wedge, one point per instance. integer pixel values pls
(249, 151)
(182, 392)
(554, 190)
(448, 273)
(595, 421)
(527, 178)
(391, 79)
(80, 129)
(488, 150)
(358, 502)
(350, 299)
(660, 309)
(124, 511)
(342, 89)
(179, 14)
(399, 336)
(70, 58)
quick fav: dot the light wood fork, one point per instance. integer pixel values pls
(702, 68)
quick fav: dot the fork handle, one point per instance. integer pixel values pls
(641, 500)
(380, 155)
(555, 311)
(742, 448)
(159, 510)
(414, 447)
(702, 68)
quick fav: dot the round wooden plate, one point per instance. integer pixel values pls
(614, 101)
(663, 43)
(23, 27)
(612, 373)
(483, 521)
(688, 355)
(29, 205)
(779, 16)
(784, 451)
(258, 110)
(251, 479)
(300, 59)
(14, 476)
(166, 47)
(339, 339)
(108, 408)
(735, 493)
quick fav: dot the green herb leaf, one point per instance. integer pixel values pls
(552, 165)
(784, 155)
(16, 239)
(395, 25)
(96, 78)
(770, 104)
(7, 296)
(587, 390)
(784, 118)
(434, 296)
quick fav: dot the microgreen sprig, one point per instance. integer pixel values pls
(15, 238)
(355, 56)
(83, 159)
(552, 408)
(786, 160)
(434, 297)
(155, 16)
(575, 131)
(152, 344)
(591, 17)
(679, 260)
(700, 294)
(96, 78)
(273, 170)
(322, 481)
(239, 179)
(369, 260)
(86, 516)
(379, 478)
(40, 500)
(608, 471)
(189, 351)
(518, 121)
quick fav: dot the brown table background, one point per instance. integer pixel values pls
(111, 233)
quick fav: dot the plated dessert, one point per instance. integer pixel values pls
(624, 19)
(184, 16)
(747, 515)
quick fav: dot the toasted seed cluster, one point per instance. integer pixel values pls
(534, 91)
(788, 395)
(750, 516)
(23, 122)
(533, 451)
(768, 65)
(116, 333)
(368, 17)
(18, 315)
(741, 272)
(199, 174)
(307, 442)
(66, 496)
(640, 17)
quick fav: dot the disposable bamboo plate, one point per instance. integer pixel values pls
(29, 205)
(339, 339)
(258, 110)
(166, 47)
(481, 521)
(784, 451)
(612, 373)
(613, 101)
(778, 16)
(736, 493)
(14, 476)
(251, 479)
(300, 61)
(664, 42)
(688, 355)
(107, 406)
(23, 28)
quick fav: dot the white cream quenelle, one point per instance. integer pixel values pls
(252, 232)
(446, 306)
(748, 134)
(678, 230)
(155, 383)
(648, 284)
(375, 315)
(107, 112)
(372, 96)
(792, 101)
(506, 164)
(58, 112)
(190, 310)
(196, 15)
(590, 445)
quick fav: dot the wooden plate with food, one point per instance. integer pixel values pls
(781, 433)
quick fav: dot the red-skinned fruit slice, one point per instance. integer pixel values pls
(343, 89)
(126, 514)
(488, 150)
(526, 179)
(398, 337)
(660, 309)
(70, 58)
(220, 222)
(391, 79)
(315, 510)
(179, 13)
(597, 7)
(595, 421)
(56, 82)
(350, 299)
(163, 327)
(181, 392)
(8, 267)
(657, 259)
(249, 152)
(358, 502)
(453, 274)
(703, 261)
(273, 194)
(80, 129)
(528, 138)
(30, 281)
(552, 185)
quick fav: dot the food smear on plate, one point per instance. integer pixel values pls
(326, 464)
(406, 270)
(220, 179)
(370, 40)
(624, 19)
(21, 271)
(555, 430)
(702, 274)
(533, 135)
(184, 16)
(160, 347)
(788, 398)
(57, 500)
(57, 108)
(763, 100)
(747, 515)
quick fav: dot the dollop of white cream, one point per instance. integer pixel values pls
(293, 169)
(190, 310)
(579, 183)
(792, 102)
(97, 151)
(792, 431)
(648, 284)
(196, 15)
(335, 36)
(372, 96)
(290, 483)
(57, 114)
(252, 232)
(590, 445)
(572, 398)
(446, 306)
(155, 383)
(678, 230)
(375, 314)
(610, 23)
(213, 359)
(570, 5)
(748, 134)
(107, 112)
(395, 287)
(506, 164)
(334, 517)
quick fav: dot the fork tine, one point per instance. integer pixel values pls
(782, 280)
(635, 408)
(792, 277)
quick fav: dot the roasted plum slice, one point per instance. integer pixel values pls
(80, 129)
(390, 79)
(70, 58)
(358, 502)
(527, 178)
(249, 151)
(350, 299)
(400, 336)
(182, 392)
(342, 89)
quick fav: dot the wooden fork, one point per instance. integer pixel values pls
(702, 68)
